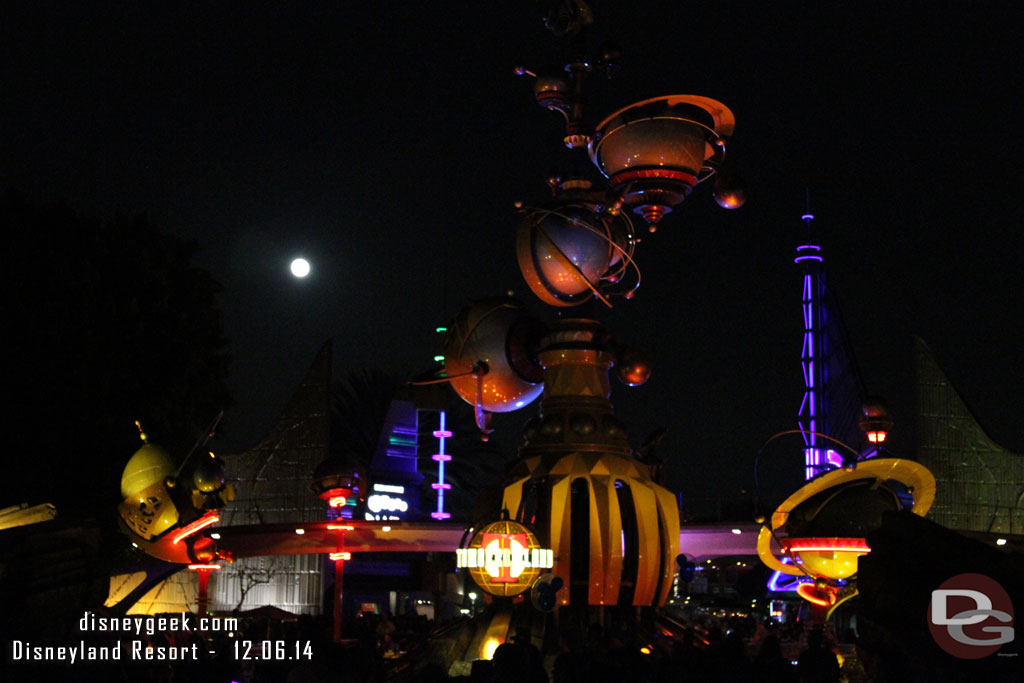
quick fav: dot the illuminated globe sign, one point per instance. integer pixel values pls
(504, 558)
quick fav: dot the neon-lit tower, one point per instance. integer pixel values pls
(591, 499)
(834, 392)
(813, 361)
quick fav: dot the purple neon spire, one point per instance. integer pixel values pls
(809, 255)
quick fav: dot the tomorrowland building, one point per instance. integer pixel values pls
(980, 484)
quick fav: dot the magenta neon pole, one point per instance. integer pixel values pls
(441, 457)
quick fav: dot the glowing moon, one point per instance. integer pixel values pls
(300, 267)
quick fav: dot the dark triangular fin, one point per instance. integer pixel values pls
(272, 484)
(272, 479)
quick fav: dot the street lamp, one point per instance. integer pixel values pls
(875, 421)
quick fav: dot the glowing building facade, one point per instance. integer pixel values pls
(980, 483)
(273, 481)
(272, 484)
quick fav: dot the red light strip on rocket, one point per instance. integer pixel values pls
(808, 592)
(204, 566)
(835, 545)
(341, 527)
(201, 523)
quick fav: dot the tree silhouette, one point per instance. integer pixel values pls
(107, 324)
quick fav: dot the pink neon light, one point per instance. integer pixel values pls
(340, 556)
(809, 257)
(815, 247)
(204, 566)
(442, 434)
(201, 523)
(833, 458)
(441, 457)
(441, 486)
(440, 515)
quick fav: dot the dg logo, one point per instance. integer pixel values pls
(971, 616)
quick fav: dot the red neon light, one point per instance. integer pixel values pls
(341, 527)
(809, 593)
(204, 566)
(835, 545)
(340, 556)
(337, 501)
(201, 523)
(637, 174)
(876, 437)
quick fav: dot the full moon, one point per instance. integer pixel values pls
(300, 267)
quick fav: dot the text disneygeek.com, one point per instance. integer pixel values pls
(133, 644)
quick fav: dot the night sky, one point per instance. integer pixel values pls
(388, 142)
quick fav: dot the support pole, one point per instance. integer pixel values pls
(339, 574)
(203, 600)
(339, 558)
(204, 592)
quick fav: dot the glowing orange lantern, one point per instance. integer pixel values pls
(875, 420)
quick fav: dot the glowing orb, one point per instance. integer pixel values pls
(300, 267)
(504, 558)
(495, 334)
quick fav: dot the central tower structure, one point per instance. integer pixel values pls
(614, 531)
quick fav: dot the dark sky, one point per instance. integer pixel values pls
(387, 143)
